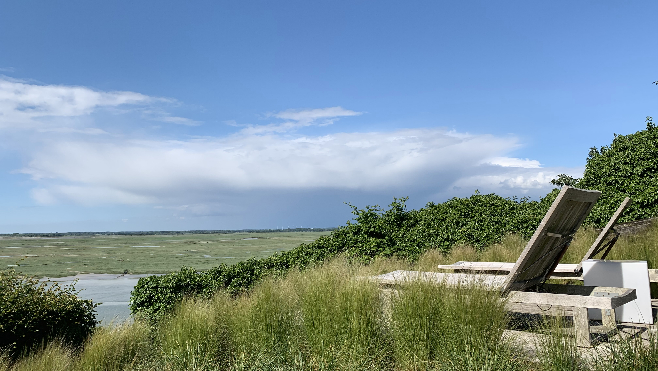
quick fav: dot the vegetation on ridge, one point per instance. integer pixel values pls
(479, 220)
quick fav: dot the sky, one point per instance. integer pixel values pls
(182, 115)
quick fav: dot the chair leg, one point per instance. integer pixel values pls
(608, 319)
(581, 327)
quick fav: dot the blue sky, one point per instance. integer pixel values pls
(163, 115)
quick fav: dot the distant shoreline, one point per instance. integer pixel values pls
(157, 233)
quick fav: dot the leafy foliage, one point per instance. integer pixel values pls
(479, 220)
(31, 312)
(628, 167)
(565, 180)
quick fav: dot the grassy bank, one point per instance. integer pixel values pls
(327, 318)
(320, 319)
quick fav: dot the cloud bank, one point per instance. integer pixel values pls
(90, 165)
(147, 171)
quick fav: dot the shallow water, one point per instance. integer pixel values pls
(112, 290)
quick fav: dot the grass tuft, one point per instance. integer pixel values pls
(116, 348)
(53, 357)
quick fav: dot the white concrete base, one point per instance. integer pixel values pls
(631, 274)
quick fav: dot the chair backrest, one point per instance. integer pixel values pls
(551, 239)
(598, 245)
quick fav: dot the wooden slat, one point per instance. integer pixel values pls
(561, 271)
(585, 297)
(559, 295)
(604, 233)
(487, 281)
(543, 252)
(653, 275)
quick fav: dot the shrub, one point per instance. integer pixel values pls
(33, 312)
(625, 168)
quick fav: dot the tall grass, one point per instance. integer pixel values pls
(508, 250)
(558, 350)
(194, 338)
(116, 348)
(327, 318)
(52, 357)
(437, 327)
(639, 353)
(263, 327)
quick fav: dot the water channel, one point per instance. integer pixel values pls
(111, 290)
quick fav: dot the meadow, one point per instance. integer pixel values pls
(140, 254)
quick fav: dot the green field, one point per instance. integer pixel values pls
(139, 254)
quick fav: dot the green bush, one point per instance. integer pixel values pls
(479, 220)
(33, 312)
(628, 167)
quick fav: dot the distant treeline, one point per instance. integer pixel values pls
(156, 233)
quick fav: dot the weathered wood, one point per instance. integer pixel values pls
(608, 319)
(576, 296)
(558, 300)
(543, 252)
(581, 327)
(561, 271)
(486, 281)
(653, 275)
(559, 295)
(544, 310)
(594, 249)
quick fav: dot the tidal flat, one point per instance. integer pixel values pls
(140, 254)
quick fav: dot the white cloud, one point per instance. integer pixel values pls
(21, 103)
(65, 130)
(102, 167)
(513, 162)
(315, 114)
(179, 120)
(26, 105)
(197, 171)
(298, 119)
(509, 181)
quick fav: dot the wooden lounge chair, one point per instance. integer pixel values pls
(525, 288)
(602, 245)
